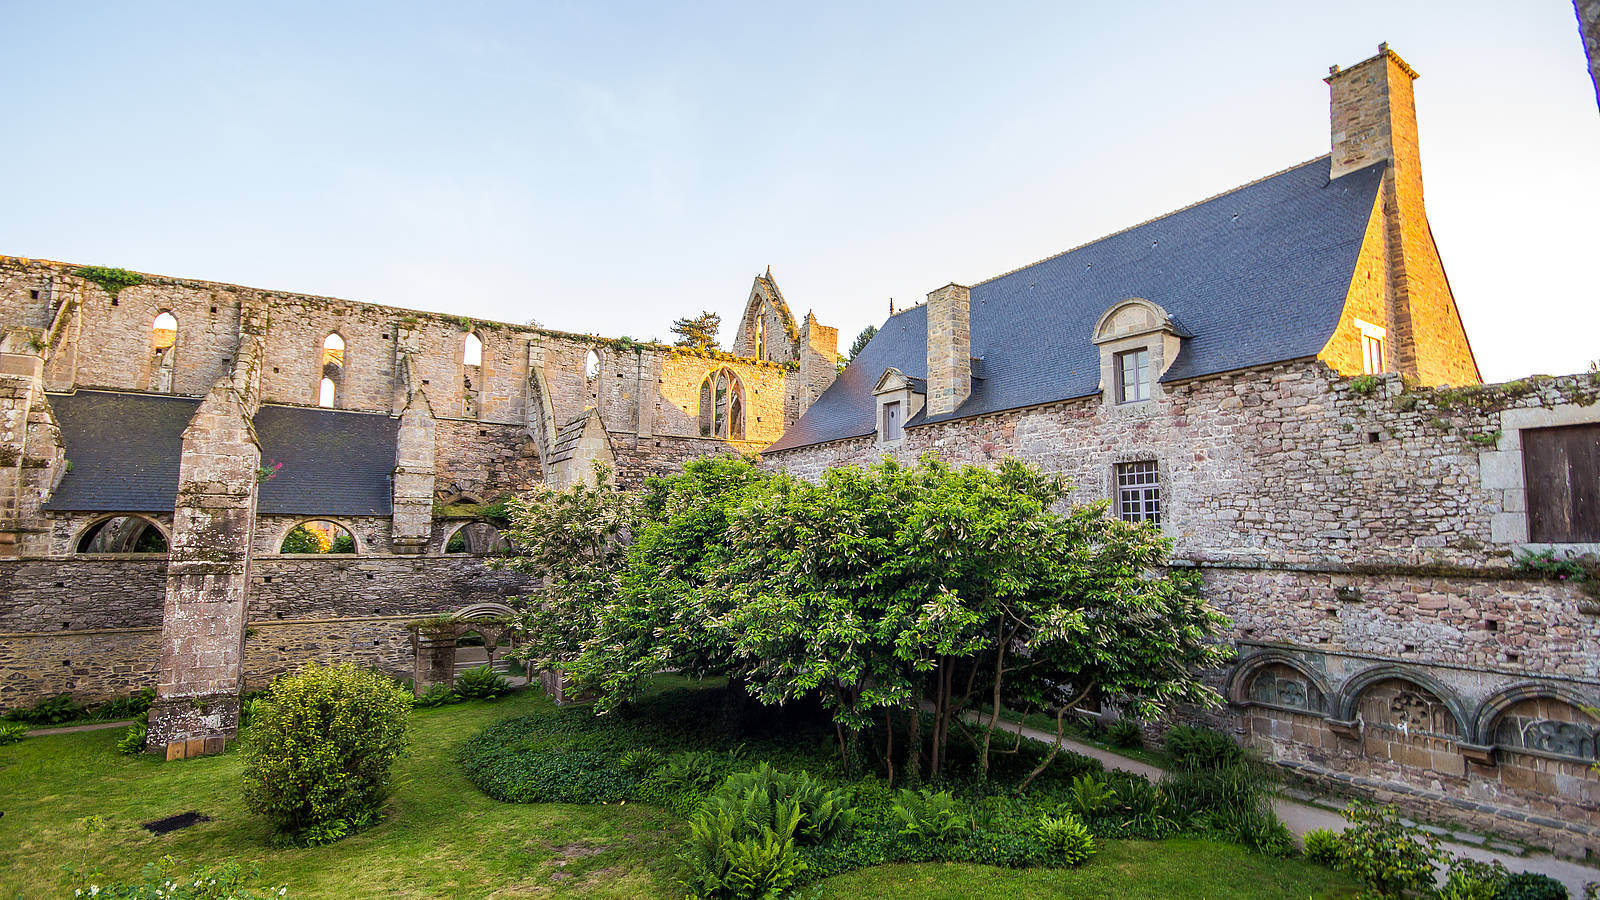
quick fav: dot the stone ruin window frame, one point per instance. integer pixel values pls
(283, 535)
(723, 418)
(329, 387)
(452, 530)
(1492, 711)
(1502, 475)
(1242, 680)
(100, 519)
(164, 360)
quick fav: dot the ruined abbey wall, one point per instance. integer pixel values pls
(1351, 528)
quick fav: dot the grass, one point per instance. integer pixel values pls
(442, 838)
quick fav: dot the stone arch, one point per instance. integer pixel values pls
(129, 537)
(477, 544)
(330, 380)
(1130, 318)
(1242, 680)
(722, 405)
(1493, 709)
(283, 534)
(591, 365)
(163, 350)
(1351, 694)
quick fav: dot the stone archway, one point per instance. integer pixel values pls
(435, 641)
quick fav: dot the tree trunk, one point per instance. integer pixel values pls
(994, 711)
(730, 718)
(1060, 736)
(914, 737)
(888, 742)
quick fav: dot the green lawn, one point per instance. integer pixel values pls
(442, 838)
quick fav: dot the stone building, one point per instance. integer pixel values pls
(203, 485)
(1277, 377)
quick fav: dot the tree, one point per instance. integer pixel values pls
(699, 332)
(862, 339)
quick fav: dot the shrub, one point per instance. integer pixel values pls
(725, 860)
(320, 750)
(1532, 886)
(1125, 733)
(134, 706)
(641, 762)
(685, 780)
(1473, 880)
(1240, 786)
(438, 695)
(1259, 829)
(133, 739)
(1384, 855)
(1089, 796)
(1065, 838)
(12, 732)
(761, 797)
(928, 816)
(1323, 846)
(56, 710)
(1194, 749)
(227, 880)
(482, 683)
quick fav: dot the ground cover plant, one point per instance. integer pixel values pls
(770, 806)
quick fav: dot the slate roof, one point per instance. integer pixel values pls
(125, 449)
(1255, 276)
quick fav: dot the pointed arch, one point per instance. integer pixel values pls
(722, 405)
(163, 350)
(1350, 695)
(472, 350)
(331, 382)
(591, 365)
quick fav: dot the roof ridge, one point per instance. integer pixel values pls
(1164, 215)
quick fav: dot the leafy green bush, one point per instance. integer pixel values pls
(481, 683)
(1259, 829)
(133, 706)
(762, 796)
(134, 738)
(685, 780)
(1090, 796)
(1388, 858)
(160, 880)
(56, 710)
(1125, 733)
(1066, 839)
(1323, 846)
(1532, 886)
(1194, 749)
(438, 695)
(12, 732)
(641, 762)
(320, 750)
(728, 860)
(1473, 880)
(931, 817)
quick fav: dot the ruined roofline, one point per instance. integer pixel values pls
(1166, 215)
(399, 311)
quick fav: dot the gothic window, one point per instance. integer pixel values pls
(591, 365)
(1547, 726)
(1561, 467)
(478, 539)
(472, 351)
(1283, 686)
(471, 372)
(1407, 707)
(761, 332)
(722, 406)
(1139, 492)
(318, 536)
(163, 344)
(332, 370)
(123, 534)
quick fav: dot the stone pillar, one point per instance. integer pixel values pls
(949, 349)
(414, 476)
(434, 649)
(31, 457)
(819, 361)
(1589, 29)
(208, 563)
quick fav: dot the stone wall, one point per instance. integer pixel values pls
(1349, 527)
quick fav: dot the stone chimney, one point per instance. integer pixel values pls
(1374, 120)
(949, 348)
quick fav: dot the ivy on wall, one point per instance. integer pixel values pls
(110, 280)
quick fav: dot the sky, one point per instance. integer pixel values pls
(607, 167)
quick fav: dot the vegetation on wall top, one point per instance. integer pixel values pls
(110, 280)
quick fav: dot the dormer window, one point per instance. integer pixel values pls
(894, 423)
(1138, 342)
(899, 398)
(1133, 376)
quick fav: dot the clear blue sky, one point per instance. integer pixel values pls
(607, 167)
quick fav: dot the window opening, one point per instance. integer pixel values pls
(1133, 376)
(893, 423)
(477, 538)
(123, 534)
(472, 355)
(1139, 492)
(1561, 470)
(722, 406)
(163, 341)
(591, 365)
(332, 370)
(318, 536)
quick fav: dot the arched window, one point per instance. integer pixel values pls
(332, 370)
(591, 365)
(722, 406)
(472, 354)
(477, 538)
(122, 534)
(761, 333)
(318, 536)
(163, 341)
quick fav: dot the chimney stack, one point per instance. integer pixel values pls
(1374, 116)
(949, 349)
